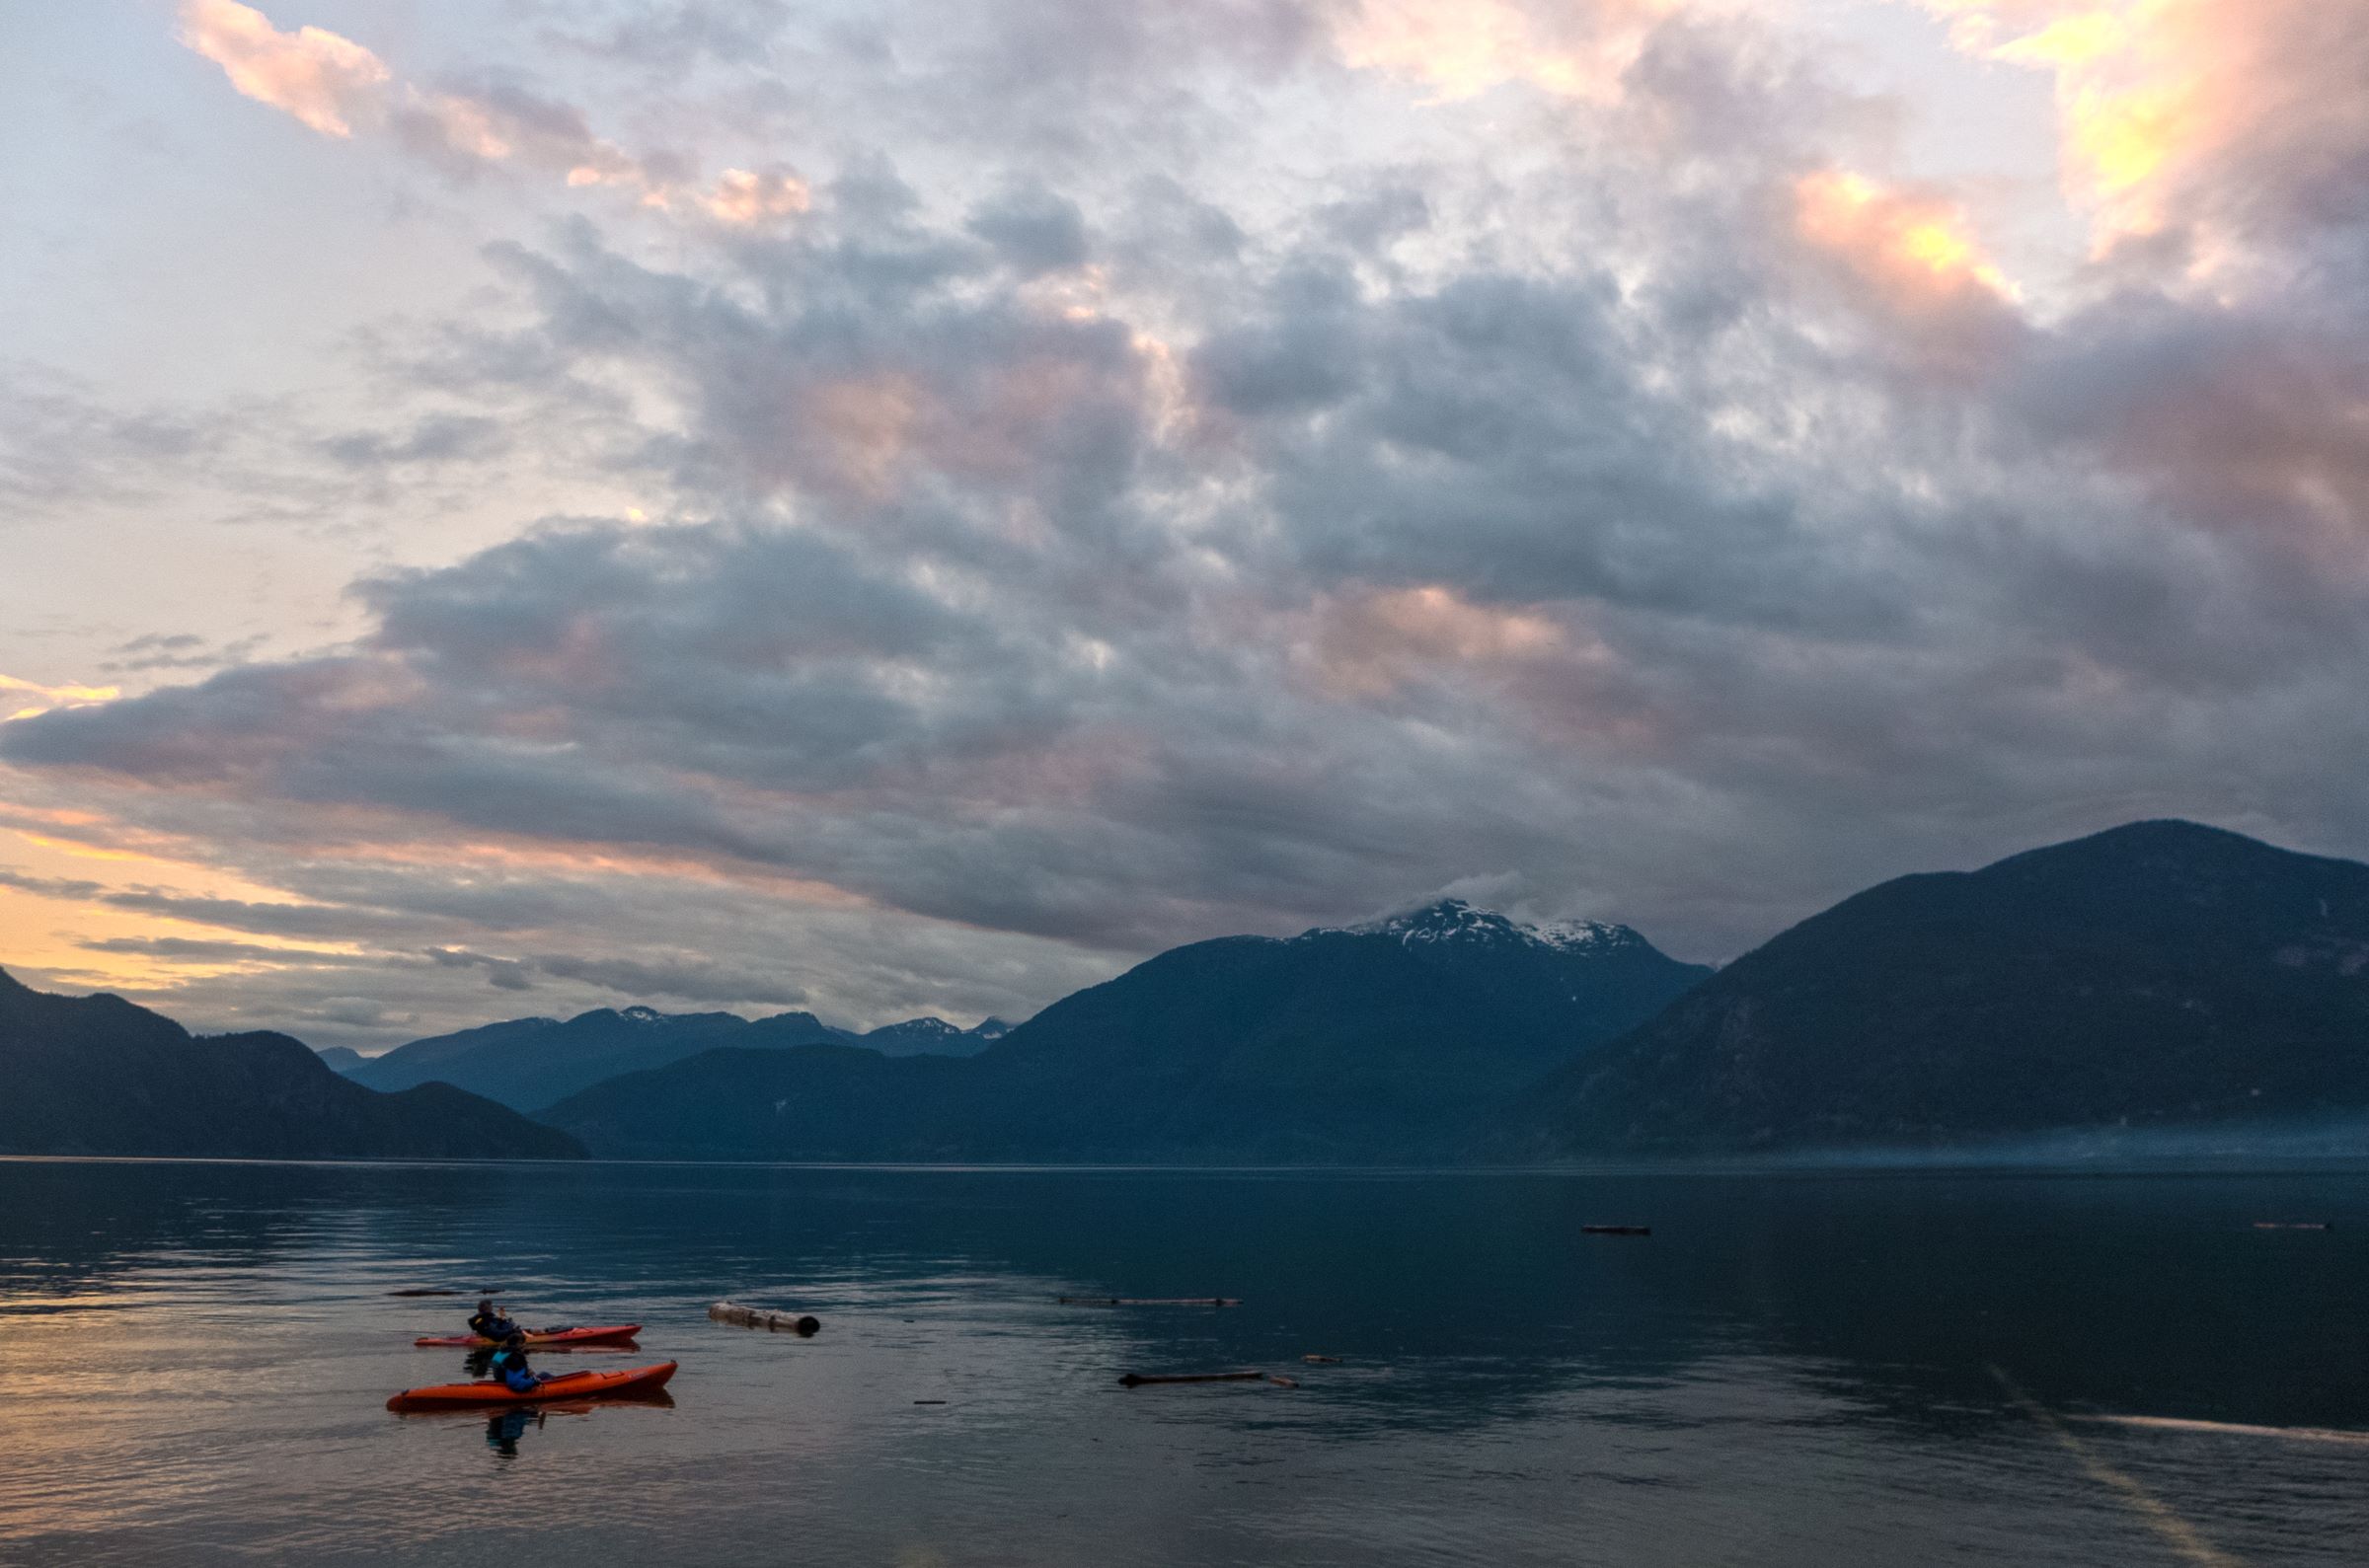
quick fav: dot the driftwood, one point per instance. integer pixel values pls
(1615, 1229)
(1137, 1380)
(2293, 1225)
(1321, 1361)
(1148, 1301)
(758, 1318)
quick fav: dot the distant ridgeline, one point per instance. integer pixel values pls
(2157, 976)
(528, 1063)
(1405, 1039)
(99, 1075)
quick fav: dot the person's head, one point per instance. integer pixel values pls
(486, 1305)
(515, 1341)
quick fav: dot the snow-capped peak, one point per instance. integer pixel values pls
(643, 1016)
(1454, 920)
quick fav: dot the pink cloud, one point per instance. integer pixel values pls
(336, 86)
(326, 81)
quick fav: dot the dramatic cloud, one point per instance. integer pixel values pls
(1349, 450)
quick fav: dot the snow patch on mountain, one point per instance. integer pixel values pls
(1452, 920)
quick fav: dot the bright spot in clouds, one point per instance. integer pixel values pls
(1919, 243)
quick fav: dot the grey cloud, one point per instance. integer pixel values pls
(61, 445)
(180, 652)
(502, 974)
(1370, 220)
(196, 949)
(675, 38)
(1033, 229)
(436, 438)
(50, 886)
(691, 981)
(1303, 356)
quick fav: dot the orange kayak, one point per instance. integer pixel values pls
(571, 1385)
(538, 1339)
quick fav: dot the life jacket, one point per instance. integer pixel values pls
(493, 1326)
(510, 1366)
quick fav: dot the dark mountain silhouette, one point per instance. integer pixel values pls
(340, 1058)
(99, 1076)
(528, 1063)
(1391, 1040)
(2159, 974)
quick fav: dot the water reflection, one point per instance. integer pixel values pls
(1791, 1370)
(503, 1428)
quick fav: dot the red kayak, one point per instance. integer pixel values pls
(640, 1380)
(540, 1338)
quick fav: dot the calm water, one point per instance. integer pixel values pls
(1791, 1370)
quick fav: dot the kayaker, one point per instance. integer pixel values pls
(510, 1367)
(486, 1323)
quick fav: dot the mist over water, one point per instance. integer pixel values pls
(1796, 1368)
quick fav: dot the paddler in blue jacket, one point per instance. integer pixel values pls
(510, 1366)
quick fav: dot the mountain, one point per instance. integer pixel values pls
(339, 1059)
(99, 1076)
(2160, 974)
(933, 1037)
(527, 1063)
(1391, 1040)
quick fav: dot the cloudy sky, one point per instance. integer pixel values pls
(906, 505)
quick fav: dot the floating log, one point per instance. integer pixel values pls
(1148, 1301)
(424, 1290)
(2294, 1224)
(1314, 1360)
(1615, 1229)
(1137, 1380)
(758, 1318)
(1281, 1381)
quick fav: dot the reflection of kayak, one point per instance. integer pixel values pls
(538, 1339)
(571, 1385)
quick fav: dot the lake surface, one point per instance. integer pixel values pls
(1794, 1368)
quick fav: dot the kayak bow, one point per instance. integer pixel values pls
(640, 1380)
(538, 1339)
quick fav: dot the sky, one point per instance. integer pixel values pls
(902, 507)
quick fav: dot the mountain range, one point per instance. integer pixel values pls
(2158, 976)
(1396, 1039)
(528, 1063)
(100, 1076)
